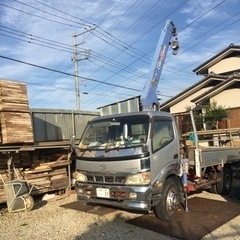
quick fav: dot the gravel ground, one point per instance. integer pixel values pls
(50, 221)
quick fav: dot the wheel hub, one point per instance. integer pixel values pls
(172, 201)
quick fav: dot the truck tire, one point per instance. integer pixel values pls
(168, 205)
(223, 187)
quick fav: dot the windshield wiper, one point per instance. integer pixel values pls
(88, 148)
(110, 149)
(126, 145)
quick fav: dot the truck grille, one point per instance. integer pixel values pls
(106, 179)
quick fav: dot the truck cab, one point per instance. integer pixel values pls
(131, 161)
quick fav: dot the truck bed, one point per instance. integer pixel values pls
(210, 156)
(219, 155)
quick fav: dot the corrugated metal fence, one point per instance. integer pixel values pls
(58, 124)
(125, 106)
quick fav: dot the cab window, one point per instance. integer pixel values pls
(162, 133)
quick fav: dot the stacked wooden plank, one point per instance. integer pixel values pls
(43, 167)
(50, 175)
(15, 118)
(45, 170)
(19, 160)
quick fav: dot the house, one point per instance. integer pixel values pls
(220, 84)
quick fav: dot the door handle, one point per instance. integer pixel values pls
(175, 156)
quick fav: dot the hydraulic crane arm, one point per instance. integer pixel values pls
(149, 99)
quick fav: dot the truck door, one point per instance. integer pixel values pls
(165, 147)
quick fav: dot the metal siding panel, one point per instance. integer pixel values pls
(79, 125)
(114, 109)
(81, 121)
(106, 111)
(129, 105)
(39, 127)
(51, 127)
(134, 105)
(62, 125)
(55, 125)
(124, 107)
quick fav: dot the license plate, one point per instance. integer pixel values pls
(103, 193)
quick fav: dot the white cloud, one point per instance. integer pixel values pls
(121, 21)
(195, 9)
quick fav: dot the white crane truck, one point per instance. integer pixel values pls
(134, 160)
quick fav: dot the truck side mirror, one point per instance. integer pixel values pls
(72, 143)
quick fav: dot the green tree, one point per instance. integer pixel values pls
(215, 114)
(198, 118)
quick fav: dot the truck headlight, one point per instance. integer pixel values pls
(80, 177)
(138, 179)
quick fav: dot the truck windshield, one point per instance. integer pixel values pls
(119, 132)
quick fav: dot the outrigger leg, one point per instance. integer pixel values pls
(185, 181)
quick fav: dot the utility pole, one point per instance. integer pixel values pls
(76, 60)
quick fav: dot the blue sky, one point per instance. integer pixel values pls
(36, 46)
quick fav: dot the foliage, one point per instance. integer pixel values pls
(215, 114)
(198, 118)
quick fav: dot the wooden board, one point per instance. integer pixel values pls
(16, 127)
(13, 106)
(15, 118)
(13, 96)
(47, 174)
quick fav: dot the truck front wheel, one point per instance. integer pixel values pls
(168, 205)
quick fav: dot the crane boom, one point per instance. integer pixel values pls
(149, 99)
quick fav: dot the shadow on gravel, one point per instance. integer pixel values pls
(43, 199)
(39, 204)
(204, 216)
(89, 208)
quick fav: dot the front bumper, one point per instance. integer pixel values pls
(126, 197)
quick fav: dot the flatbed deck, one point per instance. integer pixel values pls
(219, 155)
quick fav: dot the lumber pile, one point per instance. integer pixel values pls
(15, 118)
(48, 176)
(43, 167)
(45, 170)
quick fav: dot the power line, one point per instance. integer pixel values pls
(141, 56)
(34, 15)
(109, 37)
(68, 74)
(33, 39)
(105, 33)
(67, 14)
(201, 16)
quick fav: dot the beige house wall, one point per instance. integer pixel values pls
(226, 65)
(181, 106)
(228, 98)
